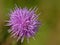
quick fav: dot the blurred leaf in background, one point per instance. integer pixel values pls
(48, 33)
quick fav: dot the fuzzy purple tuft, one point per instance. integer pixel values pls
(23, 23)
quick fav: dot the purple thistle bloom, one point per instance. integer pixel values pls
(23, 23)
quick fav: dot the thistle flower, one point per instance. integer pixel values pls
(23, 23)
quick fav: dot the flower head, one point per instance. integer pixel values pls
(23, 23)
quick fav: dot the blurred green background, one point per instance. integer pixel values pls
(48, 33)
